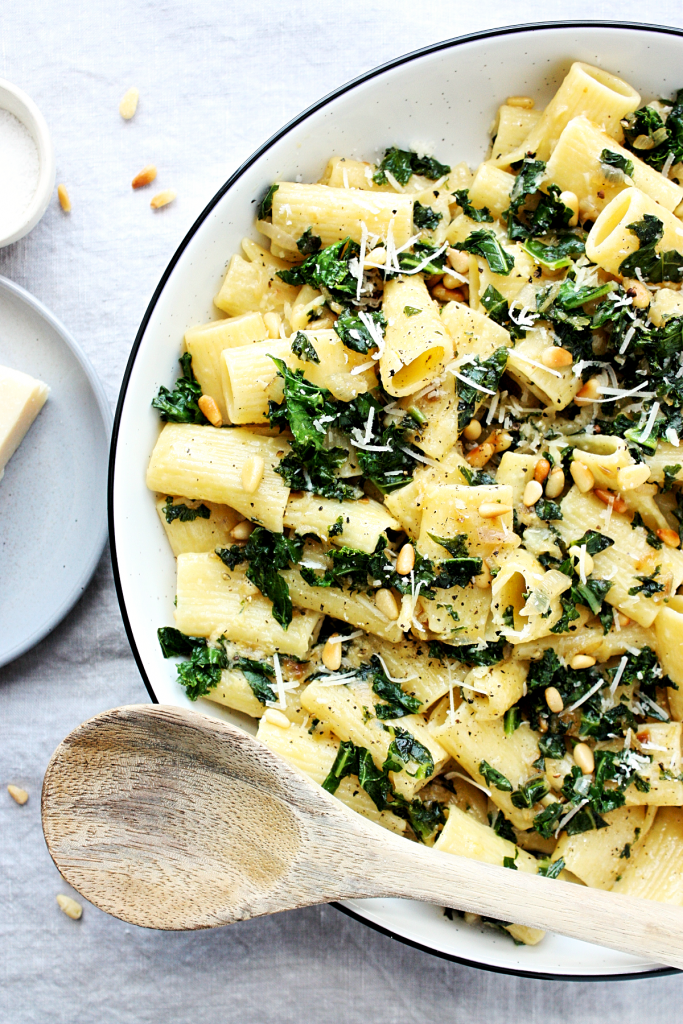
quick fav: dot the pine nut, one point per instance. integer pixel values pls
(213, 414)
(630, 477)
(406, 560)
(472, 431)
(525, 102)
(553, 699)
(276, 717)
(70, 907)
(624, 620)
(555, 357)
(129, 104)
(541, 471)
(582, 476)
(378, 256)
(163, 198)
(587, 559)
(386, 604)
(618, 504)
(17, 794)
(480, 455)
(450, 282)
(555, 483)
(242, 531)
(483, 580)
(64, 200)
(446, 295)
(532, 492)
(252, 473)
(583, 755)
(571, 201)
(493, 509)
(272, 322)
(640, 295)
(332, 655)
(670, 538)
(581, 661)
(501, 441)
(588, 393)
(144, 177)
(460, 261)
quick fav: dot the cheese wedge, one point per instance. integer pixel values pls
(21, 399)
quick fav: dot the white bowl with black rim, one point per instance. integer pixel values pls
(440, 99)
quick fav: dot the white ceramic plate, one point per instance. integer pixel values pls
(53, 522)
(442, 100)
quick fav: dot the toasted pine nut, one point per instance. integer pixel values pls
(582, 476)
(571, 201)
(145, 176)
(163, 198)
(445, 294)
(386, 604)
(555, 483)
(483, 580)
(472, 431)
(406, 560)
(64, 200)
(17, 794)
(272, 322)
(541, 471)
(378, 256)
(553, 699)
(583, 755)
(252, 473)
(70, 907)
(618, 504)
(276, 717)
(588, 393)
(213, 414)
(243, 530)
(532, 492)
(129, 104)
(630, 477)
(581, 661)
(670, 538)
(501, 440)
(624, 620)
(525, 102)
(480, 455)
(460, 261)
(332, 654)
(554, 357)
(493, 509)
(640, 295)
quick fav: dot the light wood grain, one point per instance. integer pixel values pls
(169, 819)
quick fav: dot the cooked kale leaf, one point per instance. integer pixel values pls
(175, 644)
(424, 217)
(265, 206)
(665, 140)
(403, 163)
(610, 160)
(267, 553)
(486, 374)
(494, 777)
(484, 243)
(653, 266)
(354, 332)
(483, 215)
(558, 255)
(328, 270)
(183, 512)
(258, 674)
(304, 349)
(309, 243)
(181, 404)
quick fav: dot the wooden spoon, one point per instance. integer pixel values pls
(170, 819)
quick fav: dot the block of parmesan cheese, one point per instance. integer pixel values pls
(21, 399)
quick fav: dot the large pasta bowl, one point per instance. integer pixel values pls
(441, 99)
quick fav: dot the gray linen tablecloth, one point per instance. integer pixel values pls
(215, 78)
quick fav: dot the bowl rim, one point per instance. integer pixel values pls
(36, 125)
(366, 76)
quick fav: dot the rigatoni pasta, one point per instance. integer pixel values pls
(434, 549)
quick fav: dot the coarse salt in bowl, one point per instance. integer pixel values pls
(27, 169)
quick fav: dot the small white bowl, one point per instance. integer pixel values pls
(24, 109)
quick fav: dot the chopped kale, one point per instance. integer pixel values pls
(423, 251)
(664, 140)
(390, 462)
(309, 243)
(476, 477)
(424, 217)
(265, 206)
(202, 672)
(497, 308)
(556, 256)
(548, 214)
(595, 542)
(610, 160)
(484, 243)
(258, 674)
(670, 476)
(532, 792)
(411, 310)
(337, 527)
(175, 644)
(546, 821)
(509, 862)
(501, 826)
(547, 510)
(469, 654)
(486, 374)
(512, 719)
(402, 164)
(552, 869)
(648, 585)
(404, 750)
(304, 349)
(494, 777)
(181, 404)
(653, 266)
(483, 215)
(354, 332)
(398, 703)
(327, 270)
(267, 553)
(455, 546)
(183, 512)
(650, 536)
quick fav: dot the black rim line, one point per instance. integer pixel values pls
(298, 119)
